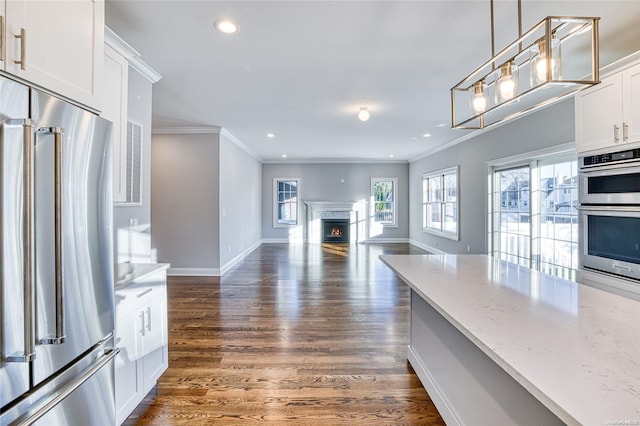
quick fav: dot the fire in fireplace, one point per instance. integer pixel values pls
(335, 230)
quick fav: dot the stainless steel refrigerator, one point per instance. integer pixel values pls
(57, 300)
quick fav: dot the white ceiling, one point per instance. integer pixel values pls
(302, 69)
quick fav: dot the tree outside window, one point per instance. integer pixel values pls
(383, 200)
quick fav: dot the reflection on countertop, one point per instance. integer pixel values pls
(128, 272)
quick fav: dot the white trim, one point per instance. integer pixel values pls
(335, 161)
(185, 130)
(274, 203)
(385, 240)
(239, 258)
(539, 154)
(224, 132)
(426, 247)
(275, 241)
(446, 410)
(132, 56)
(440, 174)
(394, 180)
(194, 272)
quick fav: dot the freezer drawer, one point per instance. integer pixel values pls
(83, 394)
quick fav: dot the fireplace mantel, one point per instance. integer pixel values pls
(318, 210)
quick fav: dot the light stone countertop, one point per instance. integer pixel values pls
(575, 348)
(128, 272)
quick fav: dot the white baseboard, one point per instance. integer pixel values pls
(275, 241)
(212, 272)
(445, 409)
(385, 240)
(426, 247)
(239, 258)
(194, 272)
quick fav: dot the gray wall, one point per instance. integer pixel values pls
(184, 200)
(551, 126)
(138, 111)
(240, 201)
(321, 182)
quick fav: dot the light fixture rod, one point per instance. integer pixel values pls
(493, 43)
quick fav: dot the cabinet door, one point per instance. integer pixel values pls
(3, 41)
(61, 46)
(128, 365)
(114, 109)
(155, 341)
(631, 102)
(598, 110)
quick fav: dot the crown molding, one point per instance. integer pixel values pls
(335, 161)
(186, 130)
(224, 132)
(132, 56)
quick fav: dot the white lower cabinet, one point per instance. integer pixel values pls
(141, 335)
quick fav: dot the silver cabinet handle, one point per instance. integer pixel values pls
(105, 358)
(59, 337)
(149, 319)
(141, 316)
(147, 291)
(625, 132)
(28, 266)
(616, 133)
(23, 49)
(1, 38)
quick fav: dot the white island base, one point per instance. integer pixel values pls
(466, 386)
(494, 343)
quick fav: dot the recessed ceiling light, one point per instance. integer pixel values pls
(271, 135)
(426, 135)
(284, 156)
(391, 156)
(226, 26)
(442, 125)
(363, 115)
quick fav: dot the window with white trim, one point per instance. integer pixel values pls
(533, 220)
(285, 201)
(383, 201)
(440, 203)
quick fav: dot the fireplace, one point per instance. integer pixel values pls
(335, 230)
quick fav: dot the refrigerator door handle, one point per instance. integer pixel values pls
(29, 352)
(104, 359)
(60, 336)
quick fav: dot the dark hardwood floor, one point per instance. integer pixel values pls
(295, 334)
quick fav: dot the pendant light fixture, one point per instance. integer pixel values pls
(495, 92)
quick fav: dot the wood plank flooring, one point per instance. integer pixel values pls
(295, 334)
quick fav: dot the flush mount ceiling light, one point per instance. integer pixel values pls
(529, 73)
(363, 114)
(271, 135)
(225, 26)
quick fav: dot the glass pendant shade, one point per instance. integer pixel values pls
(540, 63)
(478, 98)
(507, 84)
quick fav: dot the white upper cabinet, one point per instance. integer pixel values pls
(631, 103)
(608, 114)
(57, 45)
(114, 103)
(3, 43)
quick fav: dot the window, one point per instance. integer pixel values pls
(383, 200)
(534, 219)
(285, 206)
(440, 203)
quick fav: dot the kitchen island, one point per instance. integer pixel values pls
(496, 343)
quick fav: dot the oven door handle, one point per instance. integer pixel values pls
(607, 209)
(624, 268)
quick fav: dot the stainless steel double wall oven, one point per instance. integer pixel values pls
(610, 213)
